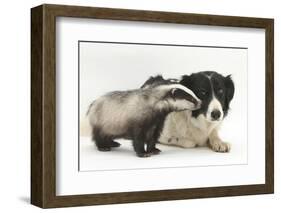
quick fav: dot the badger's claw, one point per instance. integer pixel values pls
(104, 149)
(144, 154)
(156, 151)
(114, 144)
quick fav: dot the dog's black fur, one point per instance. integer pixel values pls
(157, 80)
(205, 85)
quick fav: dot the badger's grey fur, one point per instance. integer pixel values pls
(137, 115)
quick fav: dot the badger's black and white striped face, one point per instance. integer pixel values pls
(178, 97)
(173, 93)
(214, 90)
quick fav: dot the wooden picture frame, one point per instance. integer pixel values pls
(43, 105)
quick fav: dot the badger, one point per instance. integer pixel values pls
(138, 114)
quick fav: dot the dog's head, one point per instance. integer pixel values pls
(215, 92)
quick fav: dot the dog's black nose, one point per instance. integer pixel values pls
(216, 114)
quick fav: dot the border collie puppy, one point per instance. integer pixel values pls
(200, 127)
(138, 115)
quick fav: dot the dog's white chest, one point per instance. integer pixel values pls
(200, 129)
(183, 130)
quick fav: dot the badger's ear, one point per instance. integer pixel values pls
(173, 93)
(229, 85)
(178, 93)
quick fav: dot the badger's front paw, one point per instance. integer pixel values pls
(144, 154)
(219, 146)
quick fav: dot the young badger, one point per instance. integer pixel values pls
(200, 127)
(137, 115)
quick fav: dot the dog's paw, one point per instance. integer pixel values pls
(219, 146)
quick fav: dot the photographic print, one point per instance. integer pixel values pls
(179, 105)
(136, 106)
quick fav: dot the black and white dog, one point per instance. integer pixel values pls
(200, 127)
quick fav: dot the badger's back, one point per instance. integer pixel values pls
(116, 112)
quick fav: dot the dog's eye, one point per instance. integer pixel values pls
(220, 91)
(202, 92)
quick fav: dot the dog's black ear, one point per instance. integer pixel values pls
(152, 80)
(185, 80)
(229, 85)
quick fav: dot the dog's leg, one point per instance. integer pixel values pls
(217, 144)
(185, 143)
(179, 141)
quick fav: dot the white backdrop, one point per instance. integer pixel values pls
(15, 87)
(108, 67)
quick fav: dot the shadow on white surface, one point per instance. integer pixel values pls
(24, 199)
(124, 157)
